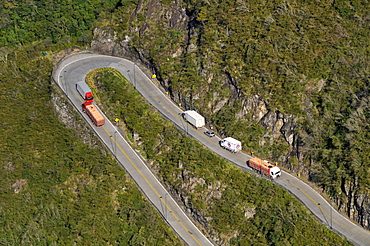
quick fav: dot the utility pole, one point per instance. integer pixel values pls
(165, 201)
(65, 83)
(134, 75)
(331, 214)
(115, 144)
(331, 217)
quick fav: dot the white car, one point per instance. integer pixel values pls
(209, 133)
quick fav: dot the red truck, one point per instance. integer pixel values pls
(93, 113)
(264, 167)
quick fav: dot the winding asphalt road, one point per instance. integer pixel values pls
(74, 68)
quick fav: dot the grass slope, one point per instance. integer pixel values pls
(236, 207)
(55, 189)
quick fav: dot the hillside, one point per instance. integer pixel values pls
(59, 185)
(289, 78)
(231, 206)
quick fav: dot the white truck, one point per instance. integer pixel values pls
(231, 144)
(85, 91)
(194, 118)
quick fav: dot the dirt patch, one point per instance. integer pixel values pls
(17, 186)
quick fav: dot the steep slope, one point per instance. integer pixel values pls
(288, 78)
(233, 206)
(59, 185)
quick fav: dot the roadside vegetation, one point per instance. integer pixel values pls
(59, 185)
(307, 60)
(235, 207)
(304, 58)
(54, 188)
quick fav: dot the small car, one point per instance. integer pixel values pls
(209, 133)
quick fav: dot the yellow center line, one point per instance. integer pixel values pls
(177, 116)
(169, 110)
(150, 185)
(330, 217)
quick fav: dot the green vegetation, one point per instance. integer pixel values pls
(242, 209)
(308, 59)
(55, 189)
(55, 21)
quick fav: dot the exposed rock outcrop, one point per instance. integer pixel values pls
(17, 186)
(68, 117)
(277, 125)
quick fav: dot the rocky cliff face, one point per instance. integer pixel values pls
(170, 34)
(276, 123)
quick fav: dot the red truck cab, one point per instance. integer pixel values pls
(89, 97)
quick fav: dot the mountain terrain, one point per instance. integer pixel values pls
(290, 79)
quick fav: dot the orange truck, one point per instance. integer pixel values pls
(264, 167)
(93, 113)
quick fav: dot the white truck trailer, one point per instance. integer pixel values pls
(85, 91)
(194, 118)
(231, 144)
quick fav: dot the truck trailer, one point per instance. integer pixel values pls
(194, 118)
(93, 113)
(85, 91)
(231, 144)
(264, 167)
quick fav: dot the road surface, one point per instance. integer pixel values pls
(75, 68)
